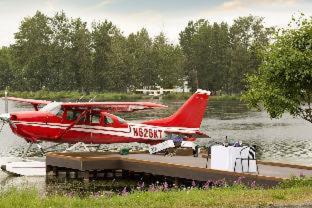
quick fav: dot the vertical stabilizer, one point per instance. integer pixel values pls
(189, 115)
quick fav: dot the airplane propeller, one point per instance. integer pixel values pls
(5, 117)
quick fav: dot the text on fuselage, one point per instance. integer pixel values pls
(147, 133)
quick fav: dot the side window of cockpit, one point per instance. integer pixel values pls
(120, 120)
(95, 118)
(60, 113)
(72, 115)
(108, 120)
(77, 114)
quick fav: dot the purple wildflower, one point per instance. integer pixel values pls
(140, 185)
(165, 185)
(151, 188)
(238, 181)
(253, 184)
(206, 185)
(193, 184)
(124, 192)
(97, 194)
(70, 194)
(220, 183)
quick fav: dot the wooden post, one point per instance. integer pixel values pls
(67, 174)
(48, 172)
(76, 174)
(131, 174)
(55, 171)
(124, 174)
(176, 181)
(86, 176)
(95, 174)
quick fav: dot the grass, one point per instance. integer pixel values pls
(217, 197)
(295, 192)
(177, 96)
(225, 97)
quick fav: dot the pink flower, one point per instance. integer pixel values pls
(193, 184)
(124, 192)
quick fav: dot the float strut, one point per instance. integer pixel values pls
(27, 149)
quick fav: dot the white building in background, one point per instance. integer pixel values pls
(160, 91)
(184, 88)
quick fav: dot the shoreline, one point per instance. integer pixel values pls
(105, 96)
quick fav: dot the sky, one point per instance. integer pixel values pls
(167, 16)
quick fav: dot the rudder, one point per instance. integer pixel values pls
(189, 115)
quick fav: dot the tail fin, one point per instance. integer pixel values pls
(189, 115)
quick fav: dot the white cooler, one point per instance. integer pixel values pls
(223, 158)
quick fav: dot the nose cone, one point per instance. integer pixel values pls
(5, 117)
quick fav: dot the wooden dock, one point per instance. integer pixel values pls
(176, 167)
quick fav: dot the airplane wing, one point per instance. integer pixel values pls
(108, 106)
(115, 106)
(33, 102)
(30, 101)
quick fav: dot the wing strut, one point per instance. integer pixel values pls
(72, 124)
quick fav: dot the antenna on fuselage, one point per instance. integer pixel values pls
(79, 99)
(92, 99)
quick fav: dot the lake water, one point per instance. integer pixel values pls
(286, 139)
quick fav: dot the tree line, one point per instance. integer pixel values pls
(62, 53)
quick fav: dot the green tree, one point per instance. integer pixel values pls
(6, 68)
(121, 77)
(247, 37)
(168, 62)
(102, 35)
(283, 83)
(187, 42)
(60, 53)
(140, 50)
(80, 51)
(206, 48)
(31, 52)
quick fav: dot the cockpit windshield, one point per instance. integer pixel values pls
(121, 120)
(53, 108)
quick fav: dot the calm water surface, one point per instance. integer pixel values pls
(286, 139)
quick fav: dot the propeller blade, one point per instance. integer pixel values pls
(5, 118)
